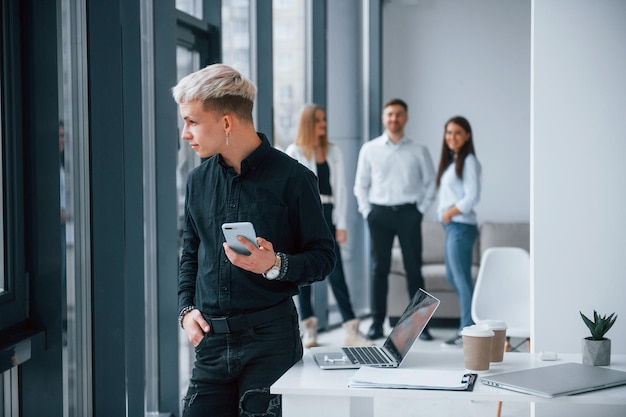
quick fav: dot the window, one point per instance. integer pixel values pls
(3, 278)
(284, 4)
(192, 7)
(285, 92)
(285, 62)
(283, 31)
(192, 53)
(236, 35)
(75, 208)
(12, 276)
(290, 51)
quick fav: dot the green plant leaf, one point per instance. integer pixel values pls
(600, 324)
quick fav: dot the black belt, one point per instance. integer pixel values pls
(241, 322)
(398, 207)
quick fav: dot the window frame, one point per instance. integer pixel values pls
(13, 301)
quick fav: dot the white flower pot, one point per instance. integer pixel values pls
(596, 352)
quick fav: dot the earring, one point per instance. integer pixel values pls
(227, 135)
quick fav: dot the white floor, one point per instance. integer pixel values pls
(432, 409)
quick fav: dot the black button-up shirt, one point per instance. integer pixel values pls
(281, 198)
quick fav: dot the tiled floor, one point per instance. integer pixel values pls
(431, 409)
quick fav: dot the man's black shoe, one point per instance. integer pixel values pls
(375, 332)
(426, 336)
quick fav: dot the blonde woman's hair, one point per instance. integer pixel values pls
(306, 138)
(221, 88)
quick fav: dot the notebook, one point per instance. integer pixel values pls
(557, 380)
(410, 325)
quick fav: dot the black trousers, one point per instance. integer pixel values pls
(385, 223)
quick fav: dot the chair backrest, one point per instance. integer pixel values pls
(502, 290)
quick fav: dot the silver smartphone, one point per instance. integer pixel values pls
(232, 230)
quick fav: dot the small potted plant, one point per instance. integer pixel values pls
(597, 348)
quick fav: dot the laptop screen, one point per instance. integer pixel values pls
(411, 323)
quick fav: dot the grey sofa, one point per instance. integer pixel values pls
(491, 234)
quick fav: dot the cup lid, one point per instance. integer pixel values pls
(493, 324)
(477, 331)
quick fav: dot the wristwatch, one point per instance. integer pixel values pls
(274, 271)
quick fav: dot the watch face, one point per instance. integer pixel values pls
(272, 273)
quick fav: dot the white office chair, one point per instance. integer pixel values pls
(502, 292)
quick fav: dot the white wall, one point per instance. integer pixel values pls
(474, 58)
(579, 143)
(449, 57)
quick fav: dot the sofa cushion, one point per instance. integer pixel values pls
(504, 234)
(433, 239)
(435, 277)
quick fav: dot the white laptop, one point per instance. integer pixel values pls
(557, 380)
(410, 325)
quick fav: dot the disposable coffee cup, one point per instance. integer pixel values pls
(499, 338)
(477, 347)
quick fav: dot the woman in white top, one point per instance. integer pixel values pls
(312, 149)
(458, 181)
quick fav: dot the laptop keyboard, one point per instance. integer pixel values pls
(365, 355)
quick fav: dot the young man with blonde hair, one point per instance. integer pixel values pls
(237, 310)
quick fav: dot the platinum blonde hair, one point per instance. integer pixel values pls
(220, 87)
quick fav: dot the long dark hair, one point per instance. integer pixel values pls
(447, 155)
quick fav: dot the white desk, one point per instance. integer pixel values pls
(309, 391)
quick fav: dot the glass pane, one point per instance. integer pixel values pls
(74, 200)
(289, 45)
(3, 282)
(236, 35)
(187, 61)
(192, 7)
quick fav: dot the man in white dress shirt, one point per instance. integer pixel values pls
(394, 186)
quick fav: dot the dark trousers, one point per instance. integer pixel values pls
(233, 372)
(385, 223)
(337, 281)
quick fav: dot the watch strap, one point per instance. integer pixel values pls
(284, 266)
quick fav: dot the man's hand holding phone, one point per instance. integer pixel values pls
(247, 251)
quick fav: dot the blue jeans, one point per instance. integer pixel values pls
(336, 278)
(460, 238)
(233, 372)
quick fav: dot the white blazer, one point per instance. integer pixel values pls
(334, 158)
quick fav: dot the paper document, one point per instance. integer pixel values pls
(369, 377)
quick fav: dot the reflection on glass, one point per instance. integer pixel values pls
(3, 283)
(63, 196)
(236, 35)
(192, 7)
(187, 61)
(74, 208)
(289, 46)
(236, 53)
